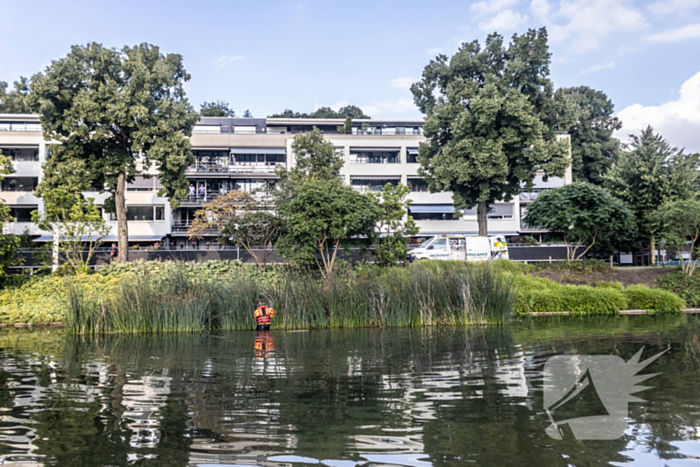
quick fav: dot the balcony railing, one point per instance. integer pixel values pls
(234, 169)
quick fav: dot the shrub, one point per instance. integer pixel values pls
(686, 287)
(640, 297)
(617, 285)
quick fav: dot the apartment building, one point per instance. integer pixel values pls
(242, 154)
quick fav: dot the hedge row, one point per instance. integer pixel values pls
(535, 294)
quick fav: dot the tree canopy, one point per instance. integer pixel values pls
(15, 101)
(490, 121)
(216, 109)
(393, 232)
(679, 223)
(649, 173)
(583, 215)
(320, 213)
(115, 113)
(591, 126)
(351, 111)
(8, 242)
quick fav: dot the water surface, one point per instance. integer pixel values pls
(340, 398)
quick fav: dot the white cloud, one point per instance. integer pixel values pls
(690, 31)
(598, 68)
(402, 83)
(583, 24)
(678, 121)
(506, 20)
(491, 6)
(436, 50)
(226, 60)
(672, 7)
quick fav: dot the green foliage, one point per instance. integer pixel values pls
(649, 174)
(483, 107)
(216, 109)
(591, 126)
(583, 215)
(640, 297)
(346, 129)
(351, 111)
(413, 296)
(77, 221)
(393, 232)
(321, 214)
(43, 299)
(679, 222)
(105, 108)
(536, 294)
(15, 101)
(9, 243)
(685, 286)
(247, 114)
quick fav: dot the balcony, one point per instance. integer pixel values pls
(241, 168)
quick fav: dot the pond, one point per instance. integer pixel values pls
(437, 396)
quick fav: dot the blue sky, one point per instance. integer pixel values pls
(302, 54)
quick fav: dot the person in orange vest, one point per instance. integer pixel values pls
(263, 316)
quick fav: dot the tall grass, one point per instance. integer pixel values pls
(419, 295)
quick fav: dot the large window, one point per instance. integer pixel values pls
(261, 158)
(374, 157)
(411, 155)
(432, 212)
(22, 213)
(141, 184)
(22, 154)
(375, 185)
(142, 214)
(19, 183)
(418, 185)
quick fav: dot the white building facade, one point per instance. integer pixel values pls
(242, 154)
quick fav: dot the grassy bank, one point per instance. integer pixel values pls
(415, 296)
(163, 297)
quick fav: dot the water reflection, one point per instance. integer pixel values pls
(421, 397)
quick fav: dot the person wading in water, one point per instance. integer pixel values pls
(263, 316)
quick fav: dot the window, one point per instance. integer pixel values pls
(260, 158)
(22, 213)
(432, 212)
(22, 154)
(20, 184)
(411, 155)
(142, 214)
(374, 157)
(418, 185)
(439, 244)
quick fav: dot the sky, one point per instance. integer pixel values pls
(303, 54)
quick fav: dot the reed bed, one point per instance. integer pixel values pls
(419, 295)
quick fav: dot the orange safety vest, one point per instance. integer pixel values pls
(264, 314)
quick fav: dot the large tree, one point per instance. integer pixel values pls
(583, 215)
(115, 113)
(591, 125)
(15, 101)
(679, 223)
(490, 121)
(649, 173)
(321, 214)
(216, 109)
(394, 229)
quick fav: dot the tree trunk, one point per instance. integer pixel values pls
(482, 218)
(653, 250)
(122, 226)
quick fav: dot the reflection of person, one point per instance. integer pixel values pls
(263, 316)
(263, 344)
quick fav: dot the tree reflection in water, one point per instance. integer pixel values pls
(416, 397)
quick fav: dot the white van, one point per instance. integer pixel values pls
(461, 248)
